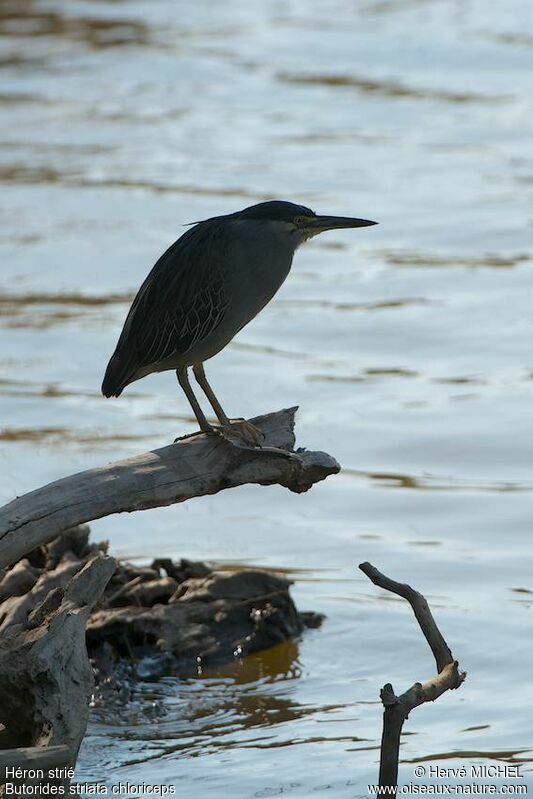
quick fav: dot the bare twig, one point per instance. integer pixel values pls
(397, 708)
(193, 467)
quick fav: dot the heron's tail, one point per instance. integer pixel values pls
(116, 378)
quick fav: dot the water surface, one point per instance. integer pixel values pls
(407, 347)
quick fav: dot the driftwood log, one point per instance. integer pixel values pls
(397, 708)
(193, 467)
(192, 621)
(45, 675)
(46, 679)
(166, 618)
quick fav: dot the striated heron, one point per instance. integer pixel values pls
(209, 284)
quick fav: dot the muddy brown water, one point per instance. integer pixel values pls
(407, 346)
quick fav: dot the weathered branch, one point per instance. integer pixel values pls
(397, 708)
(45, 675)
(192, 467)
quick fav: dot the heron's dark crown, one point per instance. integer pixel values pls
(275, 211)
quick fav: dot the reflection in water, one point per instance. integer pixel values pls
(220, 709)
(266, 350)
(22, 99)
(354, 306)
(23, 388)
(399, 371)
(433, 483)
(20, 62)
(31, 20)
(429, 260)
(390, 89)
(63, 435)
(459, 381)
(34, 310)
(477, 727)
(521, 39)
(24, 174)
(514, 756)
(366, 374)
(12, 301)
(278, 663)
(54, 391)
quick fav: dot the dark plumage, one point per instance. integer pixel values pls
(181, 300)
(204, 289)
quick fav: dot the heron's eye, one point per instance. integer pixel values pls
(300, 220)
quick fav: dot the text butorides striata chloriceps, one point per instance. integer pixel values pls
(205, 288)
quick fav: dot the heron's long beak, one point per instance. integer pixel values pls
(321, 223)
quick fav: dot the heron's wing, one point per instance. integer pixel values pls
(179, 304)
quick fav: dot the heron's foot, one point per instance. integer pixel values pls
(212, 431)
(242, 431)
(238, 431)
